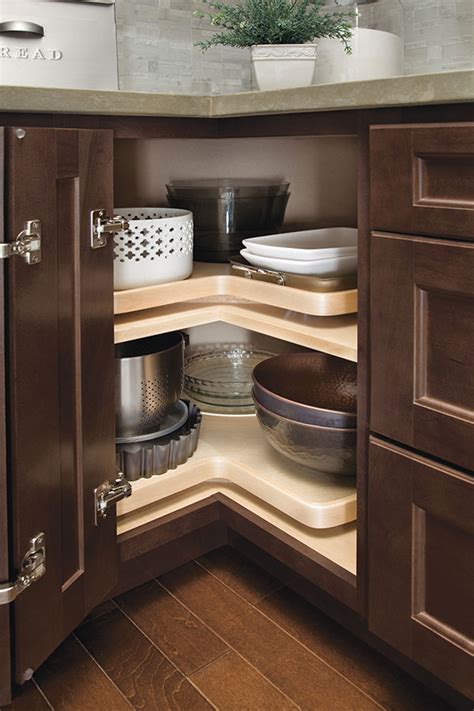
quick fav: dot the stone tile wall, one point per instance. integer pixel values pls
(439, 35)
(156, 45)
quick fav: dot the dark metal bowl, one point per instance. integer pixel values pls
(312, 388)
(325, 449)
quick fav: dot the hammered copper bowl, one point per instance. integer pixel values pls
(310, 388)
(326, 449)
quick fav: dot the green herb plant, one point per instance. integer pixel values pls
(252, 22)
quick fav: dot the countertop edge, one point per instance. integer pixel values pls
(410, 90)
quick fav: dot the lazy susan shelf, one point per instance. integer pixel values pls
(217, 280)
(339, 545)
(336, 335)
(233, 456)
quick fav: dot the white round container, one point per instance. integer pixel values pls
(156, 249)
(376, 54)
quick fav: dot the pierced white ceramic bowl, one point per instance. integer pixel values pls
(156, 249)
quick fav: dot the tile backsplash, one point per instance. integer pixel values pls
(157, 53)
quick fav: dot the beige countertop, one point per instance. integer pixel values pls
(412, 90)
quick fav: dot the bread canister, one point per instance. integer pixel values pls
(58, 43)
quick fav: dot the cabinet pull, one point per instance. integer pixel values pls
(22, 27)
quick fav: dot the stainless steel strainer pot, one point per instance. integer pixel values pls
(148, 382)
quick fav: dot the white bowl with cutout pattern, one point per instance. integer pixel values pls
(157, 248)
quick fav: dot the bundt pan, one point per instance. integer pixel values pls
(325, 449)
(156, 457)
(311, 388)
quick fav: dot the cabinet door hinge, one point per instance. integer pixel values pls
(108, 494)
(26, 245)
(101, 226)
(33, 567)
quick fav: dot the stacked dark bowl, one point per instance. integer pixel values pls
(227, 211)
(307, 407)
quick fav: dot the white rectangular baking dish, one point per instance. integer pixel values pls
(323, 268)
(306, 245)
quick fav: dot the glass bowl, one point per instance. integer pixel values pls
(221, 373)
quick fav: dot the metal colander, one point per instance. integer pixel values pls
(149, 377)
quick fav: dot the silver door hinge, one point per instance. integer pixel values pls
(108, 494)
(33, 567)
(101, 226)
(26, 245)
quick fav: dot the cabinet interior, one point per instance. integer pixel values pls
(233, 457)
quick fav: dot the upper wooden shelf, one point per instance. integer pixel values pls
(217, 280)
(322, 321)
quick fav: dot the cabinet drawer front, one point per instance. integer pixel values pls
(421, 580)
(422, 179)
(422, 352)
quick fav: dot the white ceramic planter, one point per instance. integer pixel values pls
(283, 66)
(375, 55)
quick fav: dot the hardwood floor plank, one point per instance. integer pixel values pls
(71, 680)
(27, 698)
(304, 678)
(370, 671)
(176, 632)
(143, 675)
(240, 574)
(232, 684)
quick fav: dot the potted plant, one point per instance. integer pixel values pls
(281, 35)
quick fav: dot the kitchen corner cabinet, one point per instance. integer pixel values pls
(59, 384)
(377, 554)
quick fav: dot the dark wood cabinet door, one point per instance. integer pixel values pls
(422, 349)
(421, 563)
(422, 179)
(60, 382)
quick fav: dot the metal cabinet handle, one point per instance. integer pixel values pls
(25, 28)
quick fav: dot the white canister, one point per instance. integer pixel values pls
(376, 54)
(58, 43)
(156, 249)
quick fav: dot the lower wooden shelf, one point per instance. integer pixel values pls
(336, 335)
(234, 459)
(338, 545)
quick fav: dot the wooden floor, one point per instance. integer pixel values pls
(217, 633)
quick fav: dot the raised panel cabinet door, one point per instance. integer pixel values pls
(422, 179)
(421, 566)
(422, 344)
(60, 383)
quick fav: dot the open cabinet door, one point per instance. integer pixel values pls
(59, 383)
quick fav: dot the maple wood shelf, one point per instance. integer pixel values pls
(336, 335)
(233, 458)
(217, 280)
